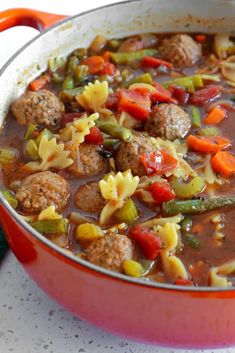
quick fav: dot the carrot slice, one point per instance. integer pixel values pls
(95, 63)
(215, 116)
(224, 163)
(39, 83)
(208, 144)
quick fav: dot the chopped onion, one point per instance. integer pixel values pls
(228, 68)
(222, 43)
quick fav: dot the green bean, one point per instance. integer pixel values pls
(145, 78)
(192, 240)
(10, 197)
(69, 77)
(108, 142)
(129, 57)
(187, 190)
(196, 116)
(209, 131)
(186, 224)
(8, 154)
(55, 226)
(30, 131)
(196, 206)
(80, 53)
(68, 95)
(114, 130)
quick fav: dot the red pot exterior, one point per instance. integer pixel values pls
(178, 318)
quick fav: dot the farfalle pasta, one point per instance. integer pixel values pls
(94, 96)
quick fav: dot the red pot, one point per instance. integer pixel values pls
(144, 311)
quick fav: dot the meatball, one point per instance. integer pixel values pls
(181, 50)
(41, 190)
(129, 154)
(168, 121)
(89, 198)
(110, 251)
(87, 160)
(40, 107)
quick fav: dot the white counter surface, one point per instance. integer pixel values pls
(30, 321)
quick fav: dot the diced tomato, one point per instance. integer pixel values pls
(136, 102)
(112, 102)
(180, 94)
(161, 192)
(106, 55)
(150, 61)
(69, 117)
(39, 82)
(108, 69)
(205, 95)
(95, 63)
(159, 162)
(95, 136)
(201, 38)
(147, 240)
(183, 282)
(162, 94)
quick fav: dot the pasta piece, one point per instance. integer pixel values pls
(209, 174)
(222, 43)
(162, 221)
(94, 96)
(49, 213)
(172, 265)
(217, 275)
(79, 128)
(116, 189)
(52, 155)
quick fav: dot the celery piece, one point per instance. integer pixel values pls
(68, 95)
(209, 131)
(88, 232)
(44, 132)
(187, 190)
(8, 154)
(30, 131)
(32, 150)
(128, 213)
(189, 82)
(132, 268)
(56, 63)
(55, 226)
(129, 57)
(81, 72)
(145, 78)
(10, 197)
(196, 116)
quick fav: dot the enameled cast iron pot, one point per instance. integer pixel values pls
(140, 310)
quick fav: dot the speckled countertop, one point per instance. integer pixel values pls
(29, 320)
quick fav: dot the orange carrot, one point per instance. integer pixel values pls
(95, 63)
(224, 163)
(106, 55)
(39, 83)
(207, 144)
(215, 116)
(200, 38)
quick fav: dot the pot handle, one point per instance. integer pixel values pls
(28, 17)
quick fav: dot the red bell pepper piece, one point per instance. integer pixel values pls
(161, 192)
(95, 136)
(183, 282)
(108, 69)
(148, 241)
(180, 94)
(112, 102)
(162, 94)
(136, 102)
(159, 162)
(205, 95)
(150, 61)
(70, 117)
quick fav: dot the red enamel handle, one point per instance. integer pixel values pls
(28, 17)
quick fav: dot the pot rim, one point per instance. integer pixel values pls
(61, 251)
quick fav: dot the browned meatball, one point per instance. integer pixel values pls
(89, 198)
(40, 107)
(181, 50)
(168, 121)
(129, 154)
(87, 160)
(41, 190)
(110, 251)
